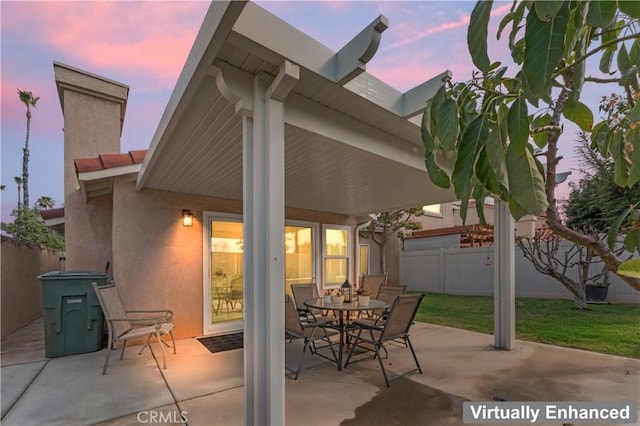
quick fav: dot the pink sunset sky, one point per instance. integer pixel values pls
(144, 45)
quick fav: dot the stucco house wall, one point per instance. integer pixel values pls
(158, 263)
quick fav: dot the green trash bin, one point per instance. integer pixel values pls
(73, 319)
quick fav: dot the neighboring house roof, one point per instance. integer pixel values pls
(470, 235)
(96, 174)
(52, 214)
(54, 219)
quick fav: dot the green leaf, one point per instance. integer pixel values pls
(472, 139)
(601, 13)
(546, 10)
(477, 35)
(479, 194)
(578, 113)
(616, 225)
(526, 184)
(485, 174)
(631, 241)
(447, 124)
(541, 138)
(496, 158)
(575, 26)
(518, 125)
(620, 159)
(436, 174)
(599, 135)
(427, 138)
(629, 268)
(630, 7)
(516, 209)
(624, 63)
(633, 138)
(503, 23)
(544, 50)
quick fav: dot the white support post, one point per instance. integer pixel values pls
(504, 277)
(264, 194)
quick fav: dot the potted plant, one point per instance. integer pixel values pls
(597, 291)
(337, 298)
(364, 298)
(326, 297)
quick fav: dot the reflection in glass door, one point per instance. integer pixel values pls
(299, 255)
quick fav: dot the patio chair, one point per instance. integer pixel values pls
(124, 325)
(308, 331)
(388, 294)
(302, 292)
(401, 316)
(236, 293)
(372, 283)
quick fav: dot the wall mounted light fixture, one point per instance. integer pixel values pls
(187, 217)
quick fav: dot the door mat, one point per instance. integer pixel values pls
(222, 343)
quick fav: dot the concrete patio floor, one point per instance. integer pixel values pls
(457, 365)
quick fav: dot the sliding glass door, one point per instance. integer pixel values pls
(223, 268)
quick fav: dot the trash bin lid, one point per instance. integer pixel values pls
(65, 275)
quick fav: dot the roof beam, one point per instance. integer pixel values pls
(413, 101)
(287, 77)
(352, 59)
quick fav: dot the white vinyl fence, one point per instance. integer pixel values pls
(469, 271)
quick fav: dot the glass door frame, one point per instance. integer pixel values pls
(208, 328)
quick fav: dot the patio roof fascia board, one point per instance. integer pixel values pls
(213, 33)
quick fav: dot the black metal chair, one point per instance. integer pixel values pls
(371, 336)
(308, 331)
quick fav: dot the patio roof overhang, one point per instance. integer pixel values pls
(352, 143)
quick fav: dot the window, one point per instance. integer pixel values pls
(336, 249)
(433, 209)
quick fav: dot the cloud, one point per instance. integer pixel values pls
(461, 22)
(146, 40)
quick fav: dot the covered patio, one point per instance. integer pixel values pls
(208, 387)
(265, 114)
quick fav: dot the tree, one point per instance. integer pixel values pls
(547, 255)
(593, 204)
(45, 202)
(387, 224)
(29, 227)
(18, 180)
(29, 101)
(479, 136)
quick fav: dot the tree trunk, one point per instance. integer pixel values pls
(609, 258)
(580, 300)
(25, 163)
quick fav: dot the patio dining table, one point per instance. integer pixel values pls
(343, 312)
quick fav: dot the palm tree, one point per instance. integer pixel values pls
(45, 202)
(18, 181)
(29, 101)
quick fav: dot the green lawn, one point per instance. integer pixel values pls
(610, 329)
